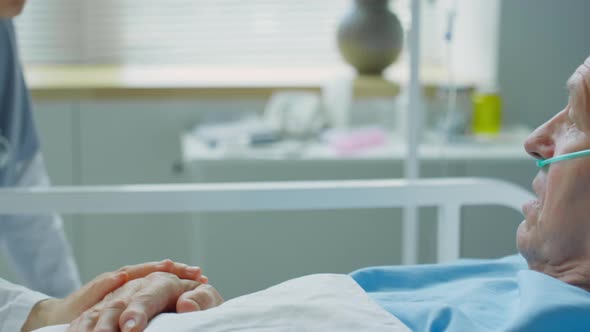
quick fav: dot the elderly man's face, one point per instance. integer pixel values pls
(11, 8)
(557, 226)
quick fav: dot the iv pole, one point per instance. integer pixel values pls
(410, 238)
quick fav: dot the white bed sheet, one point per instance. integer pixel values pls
(321, 302)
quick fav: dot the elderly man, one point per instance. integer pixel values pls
(555, 237)
(549, 289)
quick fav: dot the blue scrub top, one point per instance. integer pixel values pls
(477, 295)
(18, 138)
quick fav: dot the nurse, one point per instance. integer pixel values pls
(38, 250)
(34, 245)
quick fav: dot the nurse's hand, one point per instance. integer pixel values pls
(63, 311)
(131, 307)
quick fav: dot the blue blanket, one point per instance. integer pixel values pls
(477, 295)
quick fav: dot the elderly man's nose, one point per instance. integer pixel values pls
(539, 145)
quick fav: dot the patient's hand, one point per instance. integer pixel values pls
(63, 311)
(130, 307)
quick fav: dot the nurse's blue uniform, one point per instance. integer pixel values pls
(34, 245)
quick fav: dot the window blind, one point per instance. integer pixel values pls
(50, 31)
(253, 32)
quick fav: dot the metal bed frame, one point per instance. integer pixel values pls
(447, 194)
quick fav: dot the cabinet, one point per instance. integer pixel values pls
(122, 141)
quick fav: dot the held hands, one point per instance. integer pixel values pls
(127, 299)
(132, 306)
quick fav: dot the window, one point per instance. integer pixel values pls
(252, 32)
(242, 32)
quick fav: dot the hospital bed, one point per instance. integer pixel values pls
(448, 195)
(317, 302)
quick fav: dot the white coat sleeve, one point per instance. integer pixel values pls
(16, 303)
(36, 246)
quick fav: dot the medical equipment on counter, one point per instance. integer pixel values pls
(289, 117)
(567, 156)
(448, 194)
(249, 131)
(294, 113)
(487, 113)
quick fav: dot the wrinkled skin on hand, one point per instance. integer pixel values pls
(130, 307)
(135, 292)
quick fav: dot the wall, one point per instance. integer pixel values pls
(541, 44)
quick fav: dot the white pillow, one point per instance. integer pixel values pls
(321, 302)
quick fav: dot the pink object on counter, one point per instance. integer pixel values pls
(353, 142)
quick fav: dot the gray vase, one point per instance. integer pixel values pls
(370, 37)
